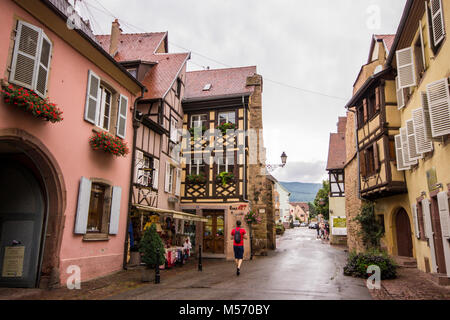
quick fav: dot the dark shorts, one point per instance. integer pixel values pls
(238, 252)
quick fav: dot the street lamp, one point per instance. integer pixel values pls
(272, 167)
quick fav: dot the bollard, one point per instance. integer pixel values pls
(157, 276)
(200, 267)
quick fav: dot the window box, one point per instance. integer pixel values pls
(226, 126)
(225, 178)
(104, 141)
(196, 178)
(29, 101)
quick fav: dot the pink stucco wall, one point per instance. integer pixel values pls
(68, 143)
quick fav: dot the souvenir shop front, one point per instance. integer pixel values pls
(178, 230)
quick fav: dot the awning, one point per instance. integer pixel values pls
(175, 214)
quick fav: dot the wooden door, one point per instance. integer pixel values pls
(437, 235)
(404, 241)
(214, 232)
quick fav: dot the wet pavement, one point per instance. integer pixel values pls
(302, 268)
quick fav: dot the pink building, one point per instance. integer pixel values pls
(63, 205)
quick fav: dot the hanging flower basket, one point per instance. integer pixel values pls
(226, 126)
(252, 218)
(225, 178)
(29, 101)
(106, 142)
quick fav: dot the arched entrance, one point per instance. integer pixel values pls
(32, 203)
(403, 230)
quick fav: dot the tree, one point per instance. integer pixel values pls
(312, 210)
(149, 243)
(321, 202)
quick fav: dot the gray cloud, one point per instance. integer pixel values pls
(313, 172)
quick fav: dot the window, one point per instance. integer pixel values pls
(179, 83)
(96, 215)
(197, 167)
(198, 120)
(360, 115)
(105, 108)
(371, 105)
(31, 58)
(169, 179)
(370, 163)
(173, 130)
(144, 169)
(225, 163)
(227, 117)
(419, 56)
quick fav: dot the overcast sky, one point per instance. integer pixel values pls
(314, 45)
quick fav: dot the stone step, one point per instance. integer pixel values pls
(406, 262)
(440, 279)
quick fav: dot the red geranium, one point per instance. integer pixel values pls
(108, 143)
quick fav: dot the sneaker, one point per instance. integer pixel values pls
(238, 271)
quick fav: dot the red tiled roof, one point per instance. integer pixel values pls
(134, 46)
(162, 75)
(388, 40)
(230, 81)
(336, 151)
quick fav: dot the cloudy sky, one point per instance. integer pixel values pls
(309, 53)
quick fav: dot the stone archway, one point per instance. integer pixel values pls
(403, 234)
(38, 158)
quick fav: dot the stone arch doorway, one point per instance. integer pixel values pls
(31, 165)
(403, 231)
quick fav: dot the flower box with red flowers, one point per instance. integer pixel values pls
(108, 143)
(29, 101)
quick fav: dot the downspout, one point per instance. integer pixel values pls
(136, 125)
(244, 190)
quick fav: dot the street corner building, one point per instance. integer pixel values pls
(224, 174)
(335, 168)
(401, 107)
(65, 129)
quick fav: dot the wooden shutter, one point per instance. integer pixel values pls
(139, 164)
(405, 146)
(43, 66)
(423, 145)
(365, 110)
(178, 185)
(400, 95)
(376, 157)
(412, 148)
(84, 199)
(406, 68)
(167, 177)
(401, 166)
(25, 55)
(155, 173)
(426, 114)
(115, 210)
(422, 46)
(444, 213)
(91, 112)
(437, 21)
(429, 231)
(439, 105)
(416, 220)
(362, 164)
(122, 117)
(377, 99)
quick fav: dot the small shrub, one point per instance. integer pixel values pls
(279, 228)
(358, 263)
(150, 242)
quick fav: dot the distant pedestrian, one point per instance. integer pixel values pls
(238, 235)
(327, 231)
(318, 230)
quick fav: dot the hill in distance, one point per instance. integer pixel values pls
(302, 192)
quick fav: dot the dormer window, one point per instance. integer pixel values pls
(207, 87)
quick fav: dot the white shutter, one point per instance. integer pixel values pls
(115, 210)
(155, 173)
(25, 55)
(92, 108)
(43, 66)
(437, 21)
(439, 106)
(444, 213)
(422, 45)
(426, 114)
(173, 130)
(139, 159)
(412, 148)
(416, 221)
(401, 166)
(122, 117)
(406, 68)
(178, 185)
(405, 148)
(84, 199)
(429, 231)
(400, 95)
(167, 177)
(423, 144)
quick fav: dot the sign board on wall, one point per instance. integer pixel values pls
(13, 262)
(339, 226)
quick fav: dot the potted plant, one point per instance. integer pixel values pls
(225, 178)
(30, 102)
(135, 256)
(152, 248)
(226, 126)
(252, 218)
(106, 142)
(196, 178)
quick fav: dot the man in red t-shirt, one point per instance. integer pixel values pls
(238, 235)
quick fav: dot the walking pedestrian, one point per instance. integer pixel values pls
(238, 235)
(318, 230)
(327, 231)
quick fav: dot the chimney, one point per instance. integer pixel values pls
(115, 35)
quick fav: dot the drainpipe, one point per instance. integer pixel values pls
(244, 190)
(136, 125)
